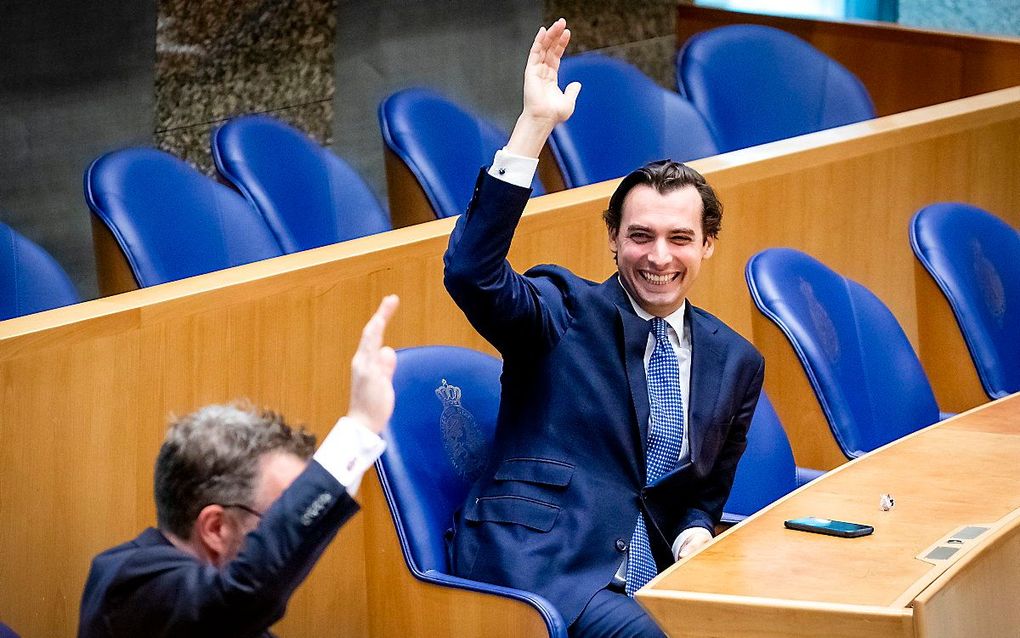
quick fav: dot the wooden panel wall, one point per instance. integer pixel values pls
(903, 68)
(85, 390)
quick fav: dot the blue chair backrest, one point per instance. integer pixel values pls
(438, 443)
(974, 257)
(442, 144)
(867, 377)
(170, 220)
(767, 470)
(30, 280)
(308, 196)
(756, 84)
(623, 120)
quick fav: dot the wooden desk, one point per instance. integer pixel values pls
(759, 579)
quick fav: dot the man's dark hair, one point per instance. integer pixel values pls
(666, 176)
(212, 456)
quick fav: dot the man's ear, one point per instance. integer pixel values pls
(709, 247)
(613, 234)
(211, 532)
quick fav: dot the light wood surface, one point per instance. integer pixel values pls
(760, 579)
(86, 389)
(902, 67)
(972, 598)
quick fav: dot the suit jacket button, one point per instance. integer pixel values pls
(621, 545)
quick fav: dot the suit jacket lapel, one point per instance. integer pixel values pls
(707, 360)
(635, 340)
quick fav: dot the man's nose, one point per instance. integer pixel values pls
(659, 254)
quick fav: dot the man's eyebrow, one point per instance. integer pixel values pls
(678, 230)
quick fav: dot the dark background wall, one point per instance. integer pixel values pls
(75, 81)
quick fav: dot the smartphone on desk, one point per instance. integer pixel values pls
(842, 529)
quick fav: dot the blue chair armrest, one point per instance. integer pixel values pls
(945, 415)
(805, 475)
(729, 518)
(553, 621)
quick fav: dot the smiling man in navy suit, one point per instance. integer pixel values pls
(624, 408)
(244, 509)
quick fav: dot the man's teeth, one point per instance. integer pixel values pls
(657, 279)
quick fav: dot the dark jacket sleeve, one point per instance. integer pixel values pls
(707, 506)
(509, 309)
(166, 593)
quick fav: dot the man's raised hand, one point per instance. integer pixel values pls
(545, 105)
(372, 369)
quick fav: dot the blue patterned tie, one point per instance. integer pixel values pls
(665, 437)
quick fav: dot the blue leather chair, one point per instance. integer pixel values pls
(868, 380)
(623, 120)
(30, 280)
(7, 632)
(161, 220)
(442, 145)
(756, 84)
(308, 196)
(767, 471)
(974, 258)
(437, 445)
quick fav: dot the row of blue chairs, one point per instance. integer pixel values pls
(860, 364)
(739, 86)
(156, 219)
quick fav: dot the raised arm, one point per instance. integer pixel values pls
(510, 310)
(545, 105)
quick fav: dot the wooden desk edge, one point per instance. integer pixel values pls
(649, 593)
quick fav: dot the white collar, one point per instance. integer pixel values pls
(675, 319)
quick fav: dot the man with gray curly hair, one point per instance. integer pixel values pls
(245, 506)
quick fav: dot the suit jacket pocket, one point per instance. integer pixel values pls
(535, 470)
(521, 510)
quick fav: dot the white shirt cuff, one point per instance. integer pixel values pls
(348, 451)
(513, 169)
(685, 536)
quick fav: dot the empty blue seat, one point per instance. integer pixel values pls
(756, 84)
(442, 145)
(308, 196)
(767, 471)
(167, 220)
(623, 120)
(30, 279)
(439, 437)
(974, 258)
(867, 378)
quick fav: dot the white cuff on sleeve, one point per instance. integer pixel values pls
(348, 451)
(513, 169)
(686, 535)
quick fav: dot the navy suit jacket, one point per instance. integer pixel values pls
(556, 506)
(147, 587)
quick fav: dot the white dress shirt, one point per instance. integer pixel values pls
(348, 451)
